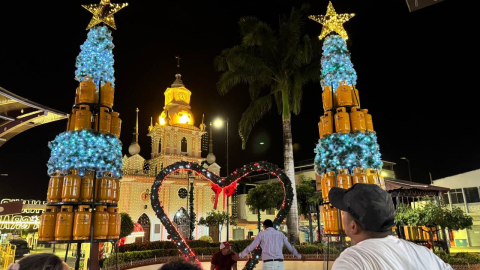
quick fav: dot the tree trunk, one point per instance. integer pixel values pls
(259, 220)
(213, 232)
(310, 224)
(292, 218)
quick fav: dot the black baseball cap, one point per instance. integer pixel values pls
(368, 204)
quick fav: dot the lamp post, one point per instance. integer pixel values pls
(218, 123)
(409, 172)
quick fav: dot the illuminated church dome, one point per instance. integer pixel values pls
(177, 105)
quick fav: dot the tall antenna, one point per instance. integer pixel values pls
(178, 63)
(136, 128)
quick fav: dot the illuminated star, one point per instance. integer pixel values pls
(332, 22)
(103, 12)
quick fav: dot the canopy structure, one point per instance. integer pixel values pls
(18, 114)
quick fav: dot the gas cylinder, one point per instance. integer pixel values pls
(86, 92)
(356, 98)
(344, 95)
(104, 188)
(327, 98)
(86, 189)
(105, 121)
(344, 180)
(115, 190)
(324, 188)
(342, 121)
(368, 120)
(357, 118)
(83, 118)
(64, 226)
(71, 120)
(107, 95)
(329, 182)
(114, 222)
(116, 125)
(382, 181)
(71, 187)
(55, 189)
(46, 231)
(359, 176)
(320, 127)
(327, 123)
(82, 222)
(326, 219)
(333, 212)
(100, 223)
(372, 177)
(77, 100)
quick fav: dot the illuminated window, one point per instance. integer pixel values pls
(184, 145)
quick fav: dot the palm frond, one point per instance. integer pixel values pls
(252, 115)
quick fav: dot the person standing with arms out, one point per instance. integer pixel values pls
(368, 218)
(271, 241)
(223, 260)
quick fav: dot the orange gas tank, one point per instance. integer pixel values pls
(71, 187)
(327, 123)
(104, 189)
(329, 180)
(77, 100)
(64, 224)
(113, 223)
(116, 125)
(86, 92)
(334, 226)
(357, 118)
(372, 177)
(344, 95)
(107, 94)
(359, 176)
(327, 98)
(326, 219)
(368, 120)
(83, 118)
(71, 120)
(344, 180)
(115, 190)
(100, 223)
(81, 226)
(46, 231)
(86, 190)
(55, 189)
(342, 121)
(356, 98)
(320, 127)
(105, 121)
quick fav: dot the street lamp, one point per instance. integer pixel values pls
(218, 123)
(409, 172)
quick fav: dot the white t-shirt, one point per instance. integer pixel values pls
(388, 253)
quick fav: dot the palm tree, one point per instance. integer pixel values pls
(276, 64)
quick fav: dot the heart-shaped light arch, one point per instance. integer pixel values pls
(238, 174)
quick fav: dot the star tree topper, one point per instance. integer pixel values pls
(332, 22)
(103, 12)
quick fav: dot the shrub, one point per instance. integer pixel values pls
(461, 258)
(206, 238)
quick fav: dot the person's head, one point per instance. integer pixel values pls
(367, 211)
(41, 261)
(226, 248)
(267, 224)
(180, 264)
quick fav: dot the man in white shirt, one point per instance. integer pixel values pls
(368, 217)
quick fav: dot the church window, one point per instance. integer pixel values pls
(184, 145)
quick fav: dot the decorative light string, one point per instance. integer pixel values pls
(336, 63)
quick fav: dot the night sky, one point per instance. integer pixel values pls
(415, 75)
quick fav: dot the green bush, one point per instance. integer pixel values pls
(202, 244)
(206, 238)
(240, 245)
(461, 258)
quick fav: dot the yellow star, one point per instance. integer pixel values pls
(103, 12)
(332, 22)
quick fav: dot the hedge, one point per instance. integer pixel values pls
(461, 258)
(238, 245)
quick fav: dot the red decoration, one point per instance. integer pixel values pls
(217, 189)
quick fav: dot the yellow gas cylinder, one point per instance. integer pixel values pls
(324, 188)
(116, 125)
(320, 127)
(86, 190)
(356, 98)
(104, 188)
(114, 221)
(115, 190)
(342, 121)
(105, 121)
(358, 120)
(71, 120)
(83, 118)
(46, 231)
(368, 120)
(86, 93)
(372, 177)
(333, 212)
(359, 176)
(55, 189)
(327, 123)
(344, 94)
(382, 181)
(77, 100)
(100, 223)
(107, 95)
(64, 225)
(71, 187)
(329, 182)
(344, 180)
(327, 98)
(81, 225)
(326, 219)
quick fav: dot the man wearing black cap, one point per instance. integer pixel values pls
(368, 217)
